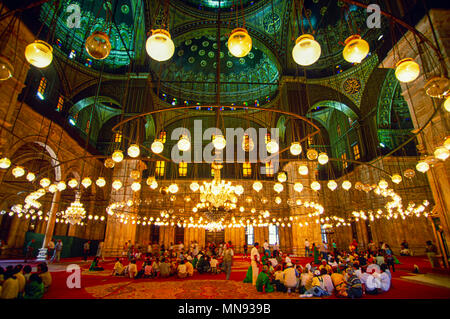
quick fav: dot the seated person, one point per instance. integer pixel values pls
(371, 283)
(182, 270)
(10, 287)
(354, 285)
(263, 281)
(325, 266)
(21, 278)
(155, 266)
(379, 258)
(164, 269)
(385, 278)
(26, 272)
(189, 269)
(148, 270)
(94, 265)
(318, 288)
(372, 265)
(278, 279)
(306, 279)
(213, 263)
(118, 268)
(203, 264)
(290, 280)
(34, 288)
(404, 251)
(132, 269)
(45, 275)
(328, 283)
(339, 283)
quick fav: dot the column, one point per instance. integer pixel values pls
(42, 256)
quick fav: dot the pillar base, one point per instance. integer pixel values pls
(42, 256)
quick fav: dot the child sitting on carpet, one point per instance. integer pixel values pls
(213, 263)
(132, 269)
(182, 270)
(27, 272)
(118, 268)
(263, 281)
(34, 288)
(94, 265)
(45, 275)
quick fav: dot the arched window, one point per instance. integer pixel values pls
(273, 235)
(250, 235)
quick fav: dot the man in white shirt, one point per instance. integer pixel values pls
(182, 270)
(290, 277)
(307, 251)
(372, 283)
(51, 248)
(287, 260)
(255, 259)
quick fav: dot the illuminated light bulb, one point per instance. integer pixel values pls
(157, 146)
(98, 45)
(396, 178)
(282, 177)
(184, 144)
(133, 151)
(407, 70)
(383, 184)
(117, 184)
(306, 50)
(298, 187)
(312, 154)
(447, 104)
(117, 156)
(135, 174)
(5, 163)
(52, 188)
(154, 184)
(356, 49)
(61, 186)
(100, 182)
(295, 148)
(257, 186)
(159, 45)
(409, 173)
(332, 185)
(303, 170)
(18, 171)
(173, 188)
(278, 187)
(441, 153)
(346, 185)
(447, 143)
(6, 68)
(278, 199)
(136, 186)
(322, 158)
(194, 186)
(239, 190)
(31, 177)
(39, 53)
(219, 142)
(239, 43)
(109, 163)
(73, 183)
(45, 182)
(315, 186)
(422, 166)
(86, 182)
(272, 147)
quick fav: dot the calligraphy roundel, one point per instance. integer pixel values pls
(351, 85)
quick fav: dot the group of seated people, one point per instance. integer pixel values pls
(19, 282)
(342, 276)
(169, 264)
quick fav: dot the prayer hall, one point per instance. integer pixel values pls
(239, 150)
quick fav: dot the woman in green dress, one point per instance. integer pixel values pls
(263, 281)
(316, 254)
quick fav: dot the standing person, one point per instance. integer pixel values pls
(50, 248)
(276, 250)
(334, 245)
(245, 250)
(266, 247)
(316, 253)
(149, 249)
(324, 250)
(228, 254)
(307, 250)
(100, 251)
(57, 254)
(354, 244)
(29, 250)
(431, 251)
(372, 247)
(86, 248)
(255, 260)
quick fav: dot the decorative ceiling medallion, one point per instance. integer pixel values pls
(351, 86)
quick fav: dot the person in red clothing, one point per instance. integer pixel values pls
(354, 244)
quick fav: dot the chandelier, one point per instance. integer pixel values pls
(75, 213)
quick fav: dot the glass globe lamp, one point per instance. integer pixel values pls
(332, 185)
(184, 144)
(6, 68)
(409, 173)
(135, 186)
(86, 182)
(306, 50)
(298, 187)
(422, 166)
(5, 163)
(173, 188)
(312, 154)
(154, 184)
(295, 148)
(278, 199)
(407, 70)
(447, 104)
(61, 186)
(272, 147)
(383, 184)
(239, 190)
(303, 170)
(219, 142)
(117, 156)
(322, 158)
(356, 49)
(18, 171)
(109, 163)
(133, 151)
(396, 178)
(52, 188)
(45, 182)
(278, 187)
(346, 185)
(73, 183)
(441, 153)
(159, 45)
(315, 186)
(157, 147)
(98, 45)
(117, 184)
(31, 177)
(447, 143)
(281, 177)
(257, 186)
(239, 43)
(100, 182)
(39, 54)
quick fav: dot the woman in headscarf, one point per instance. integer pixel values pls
(263, 281)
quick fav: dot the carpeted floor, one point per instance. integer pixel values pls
(101, 285)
